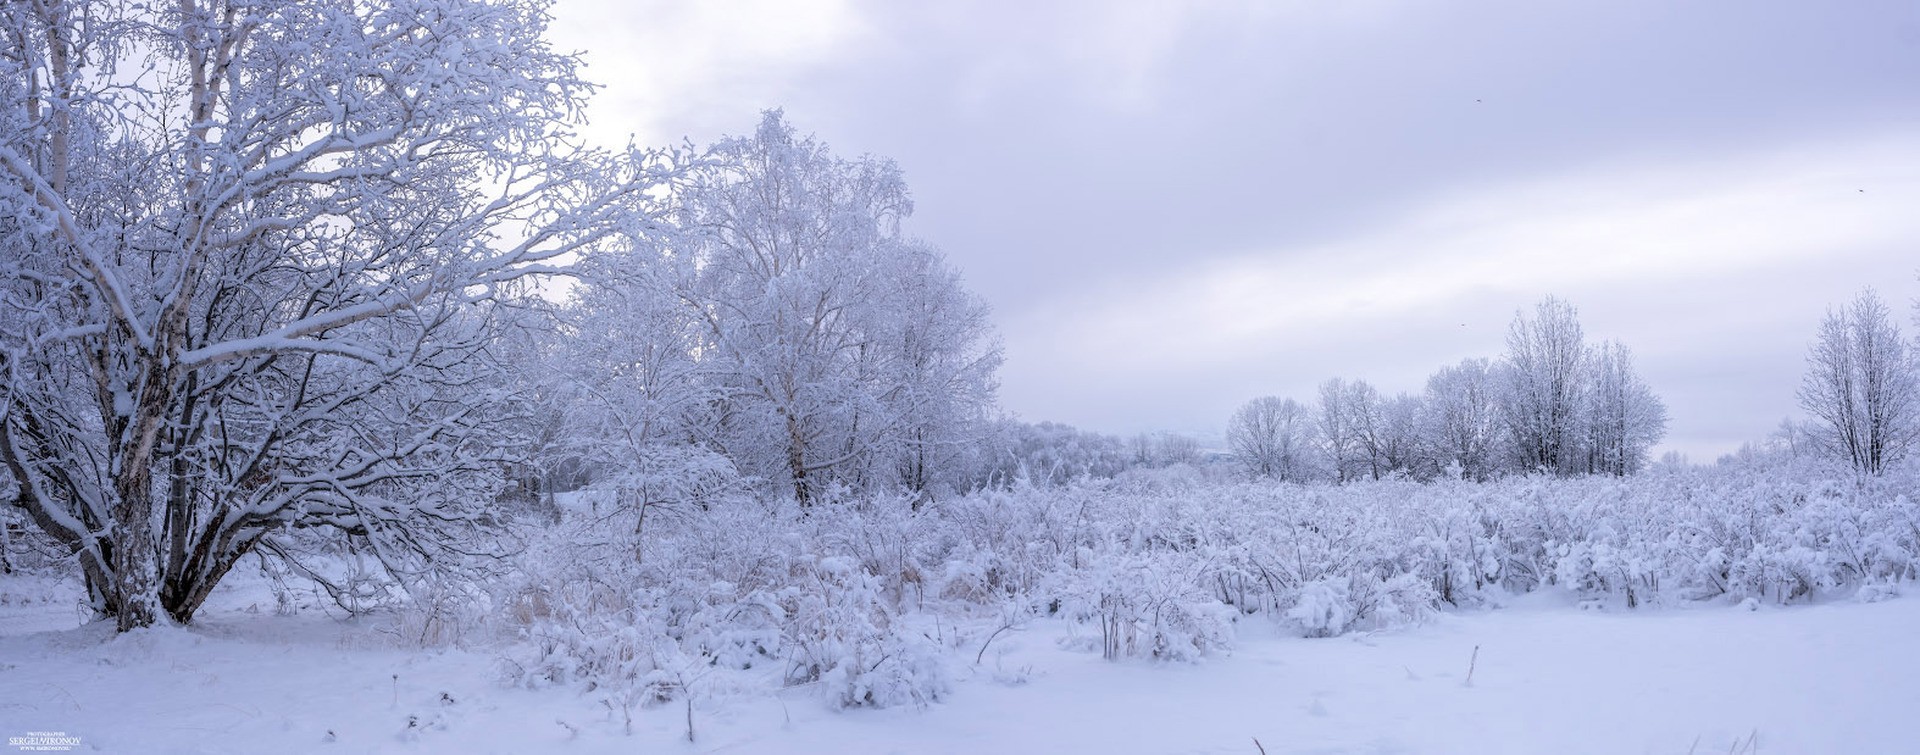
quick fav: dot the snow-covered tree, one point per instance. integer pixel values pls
(1545, 387)
(1170, 449)
(1344, 423)
(1394, 442)
(1862, 386)
(784, 321)
(940, 369)
(1049, 453)
(249, 255)
(1571, 409)
(1461, 419)
(1270, 438)
(783, 240)
(639, 402)
(1623, 419)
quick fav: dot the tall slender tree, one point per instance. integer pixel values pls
(1862, 386)
(1623, 418)
(1545, 386)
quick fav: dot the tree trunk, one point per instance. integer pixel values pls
(797, 461)
(135, 597)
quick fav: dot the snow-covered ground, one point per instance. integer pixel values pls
(1838, 677)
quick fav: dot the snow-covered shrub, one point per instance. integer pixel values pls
(839, 632)
(1382, 602)
(788, 596)
(23, 547)
(1002, 542)
(1874, 592)
(1331, 606)
(1458, 544)
(1146, 604)
(884, 536)
(439, 612)
(1323, 609)
(581, 608)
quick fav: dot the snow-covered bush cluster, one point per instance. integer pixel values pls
(869, 600)
(821, 599)
(1328, 559)
(1144, 603)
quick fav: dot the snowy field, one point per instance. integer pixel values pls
(1833, 677)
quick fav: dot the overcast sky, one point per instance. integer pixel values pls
(1174, 207)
